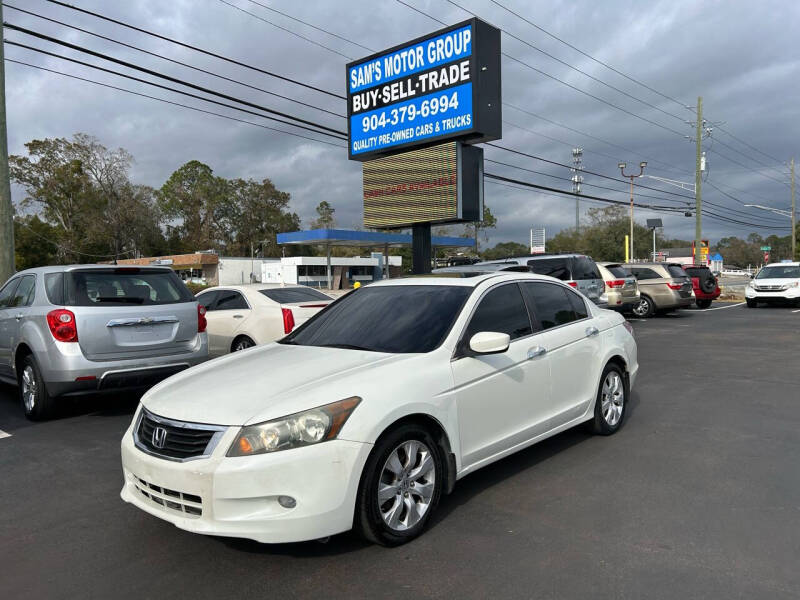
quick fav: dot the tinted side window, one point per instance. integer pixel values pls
(585, 268)
(502, 310)
(54, 286)
(550, 304)
(676, 271)
(618, 271)
(230, 300)
(7, 293)
(644, 273)
(578, 305)
(207, 299)
(25, 291)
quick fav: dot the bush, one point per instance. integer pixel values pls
(196, 288)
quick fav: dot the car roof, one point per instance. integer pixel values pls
(462, 281)
(783, 264)
(64, 268)
(513, 259)
(254, 287)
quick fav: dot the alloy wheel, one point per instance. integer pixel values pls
(243, 344)
(641, 309)
(29, 387)
(613, 399)
(406, 485)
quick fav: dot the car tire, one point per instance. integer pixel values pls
(36, 400)
(242, 343)
(751, 303)
(703, 303)
(612, 401)
(403, 463)
(708, 283)
(645, 308)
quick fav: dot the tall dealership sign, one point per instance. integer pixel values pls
(411, 111)
(442, 86)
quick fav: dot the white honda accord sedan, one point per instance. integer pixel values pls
(368, 413)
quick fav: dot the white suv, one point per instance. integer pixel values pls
(775, 283)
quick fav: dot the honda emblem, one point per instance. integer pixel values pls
(159, 437)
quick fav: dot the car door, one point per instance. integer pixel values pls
(572, 344)
(229, 311)
(6, 320)
(18, 310)
(500, 397)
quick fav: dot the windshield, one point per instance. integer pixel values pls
(617, 271)
(787, 272)
(113, 287)
(289, 295)
(398, 319)
(676, 271)
(554, 267)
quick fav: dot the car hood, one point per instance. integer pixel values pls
(264, 383)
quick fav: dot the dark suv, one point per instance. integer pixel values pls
(577, 270)
(704, 284)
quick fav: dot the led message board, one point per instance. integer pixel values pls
(439, 184)
(442, 86)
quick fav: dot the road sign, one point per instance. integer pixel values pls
(445, 85)
(766, 257)
(766, 248)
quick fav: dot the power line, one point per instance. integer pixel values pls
(169, 78)
(165, 101)
(763, 164)
(289, 31)
(172, 60)
(196, 49)
(589, 56)
(552, 162)
(736, 162)
(158, 85)
(741, 141)
(574, 68)
(288, 16)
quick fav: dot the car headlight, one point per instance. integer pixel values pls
(789, 286)
(751, 284)
(300, 429)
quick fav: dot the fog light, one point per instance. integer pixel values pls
(287, 501)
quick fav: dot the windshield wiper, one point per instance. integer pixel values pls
(346, 347)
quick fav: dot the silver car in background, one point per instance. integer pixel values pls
(81, 329)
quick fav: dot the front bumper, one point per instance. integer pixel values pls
(788, 295)
(238, 496)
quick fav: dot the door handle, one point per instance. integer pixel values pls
(536, 352)
(238, 316)
(592, 331)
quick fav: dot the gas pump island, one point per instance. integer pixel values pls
(413, 112)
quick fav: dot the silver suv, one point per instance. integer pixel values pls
(74, 330)
(577, 270)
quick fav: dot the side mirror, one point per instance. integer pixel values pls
(489, 342)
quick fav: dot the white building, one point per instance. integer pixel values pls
(312, 270)
(234, 270)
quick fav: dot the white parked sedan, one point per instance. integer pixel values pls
(241, 316)
(367, 414)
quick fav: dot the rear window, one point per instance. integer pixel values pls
(617, 271)
(585, 268)
(289, 295)
(554, 267)
(676, 271)
(115, 287)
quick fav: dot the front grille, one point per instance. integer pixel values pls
(770, 288)
(190, 505)
(175, 439)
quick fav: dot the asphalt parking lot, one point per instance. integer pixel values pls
(698, 496)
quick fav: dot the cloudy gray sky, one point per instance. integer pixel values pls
(740, 56)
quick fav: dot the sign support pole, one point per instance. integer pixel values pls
(421, 248)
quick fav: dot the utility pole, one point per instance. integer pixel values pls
(698, 180)
(794, 233)
(6, 208)
(577, 180)
(622, 166)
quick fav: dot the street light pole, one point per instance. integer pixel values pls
(622, 166)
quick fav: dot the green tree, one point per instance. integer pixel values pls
(505, 250)
(475, 228)
(35, 242)
(199, 203)
(260, 211)
(325, 219)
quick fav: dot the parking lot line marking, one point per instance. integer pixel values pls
(720, 307)
(798, 310)
(3, 434)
